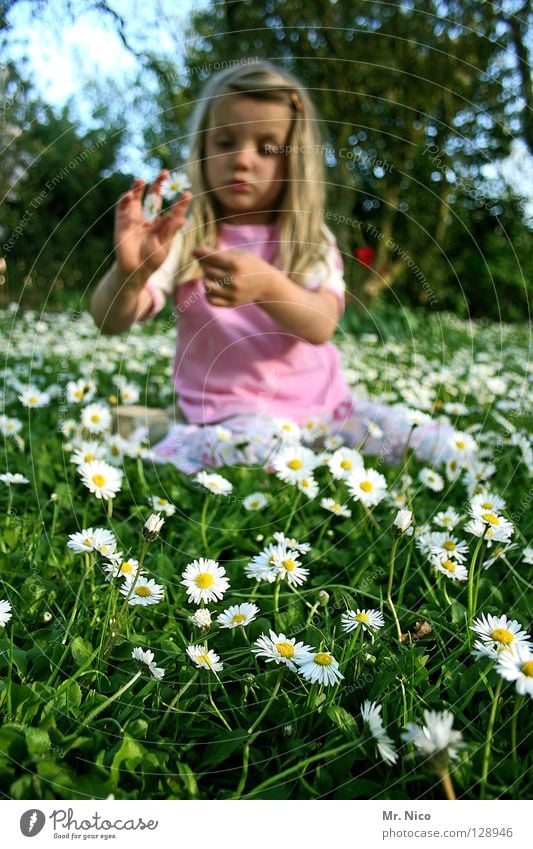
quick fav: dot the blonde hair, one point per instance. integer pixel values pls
(302, 236)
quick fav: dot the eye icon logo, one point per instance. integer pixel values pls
(32, 822)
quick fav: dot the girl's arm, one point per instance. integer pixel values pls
(119, 301)
(311, 316)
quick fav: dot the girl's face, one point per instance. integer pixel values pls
(245, 160)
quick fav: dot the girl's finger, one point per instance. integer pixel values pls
(159, 180)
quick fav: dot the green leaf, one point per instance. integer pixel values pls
(38, 741)
(81, 650)
(343, 720)
(222, 746)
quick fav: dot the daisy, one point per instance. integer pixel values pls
(490, 533)
(175, 184)
(116, 447)
(461, 444)
(403, 521)
(129, 393)
(453, 468)
(336, 508)
(320, 667)
(79, 390)
(486, 501)
(13, 478)
(332, 443)
(287, 566)
(495, 522)
(86, 452)
(255, 501)
(308, 486)
(9, 427)
(343, 462)
(498, 634)
(33, 397)
(435, 736)
(281, 649)
(96, 418)
(371, 714)
(147, 657)
(367, 486)
(214, 483)
(204, 658)
(416, 417)
(431, 479)
(293, 463)
(517, 665)
(201, 618)
(151, 206)
(223, 434)
(119, 568)
(373, 430)
(301, 547)
(238, 615)
(103, 480)
(454, 408)
(152, 527)
(445, 547)
(501, 551)
(205, 581)
(288, 431)
(5, 613)
(368, 620)
(262, 567)
(92, 540)
(527, 555)
(450, 568)
(158, 503)
(144, 592)
(447, 518)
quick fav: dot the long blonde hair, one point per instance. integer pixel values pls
(302, 238)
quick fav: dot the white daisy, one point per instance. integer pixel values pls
(431, 479)
(486, 501)
(205, 658)
(103, 480)
(5, 613)
(151, 206)
(368, 620)
(176, 183)
(201, 618)
(288, 431)
(461, 444)
(96, 418)
(144, 592)
(10, 427)
(403, 521)
(79, 390)
(373, 429)
(527, 555)
(293, 463)
(13, 478)
(309, 486)
(92, 540)
(435, 736)
(86, 452)
(494, 521)
(287, 565)
(321, 667)
(147, 657)
(336, 508)
(447, 518)
(261, 567)
(367, 486)
(517, 665)
(152, 527)
(416, 417)
(255, 501)
(119, 568)
(214, 483)
(281, 649)
(446, 546)
(343, 462)
(333, 443)
(290, 542)
(205, 581)
(499, 552)
(498, 634)
(156, 502)
(238, 615)
(451, 568)
(33, 397)
(129, 393)
(371, 714)
(490, 533)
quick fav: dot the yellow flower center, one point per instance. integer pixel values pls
(204, 580)
(162, 502)
(98, 480)
(362, 617)
(499, 551)
(113, 399)
(238, 618)
(346, 464)
(143, 592)
(254, 502)
(335, 507)
(88, 457)
(449, 565)
(289, 564)
(527, 668)
(204, 658)
(88, 542)
(502, 635)
(487, 505)
(446, 520)
(95, 418)
(295, 464)
(285, 649)
(32, 399)
(366, 486)
(322, 658)
(453, 465)
(79, 393)
(449, 545)
(490, 517)
(126, 566)
(460, 443)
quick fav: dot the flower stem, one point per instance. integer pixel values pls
(389, 588)
(254, 724)
(514, 755)
(94, 713)
(447, 784)
(471, 575)
(175, 701)
(488, 742)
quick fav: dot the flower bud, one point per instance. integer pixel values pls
(403, 521)
(152, 526)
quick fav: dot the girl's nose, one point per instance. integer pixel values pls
(242, 157)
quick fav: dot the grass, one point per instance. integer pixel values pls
(82, 719)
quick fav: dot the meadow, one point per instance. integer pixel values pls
(364, 635)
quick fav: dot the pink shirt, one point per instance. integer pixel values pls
(235, 360)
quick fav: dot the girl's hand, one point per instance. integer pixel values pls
(141, 245)
(233, 278)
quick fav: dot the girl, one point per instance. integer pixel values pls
(257, 282)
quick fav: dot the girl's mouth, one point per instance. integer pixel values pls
(239, 186)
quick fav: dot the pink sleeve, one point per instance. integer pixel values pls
(161, 284)
(328, 274)
(158, 300)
